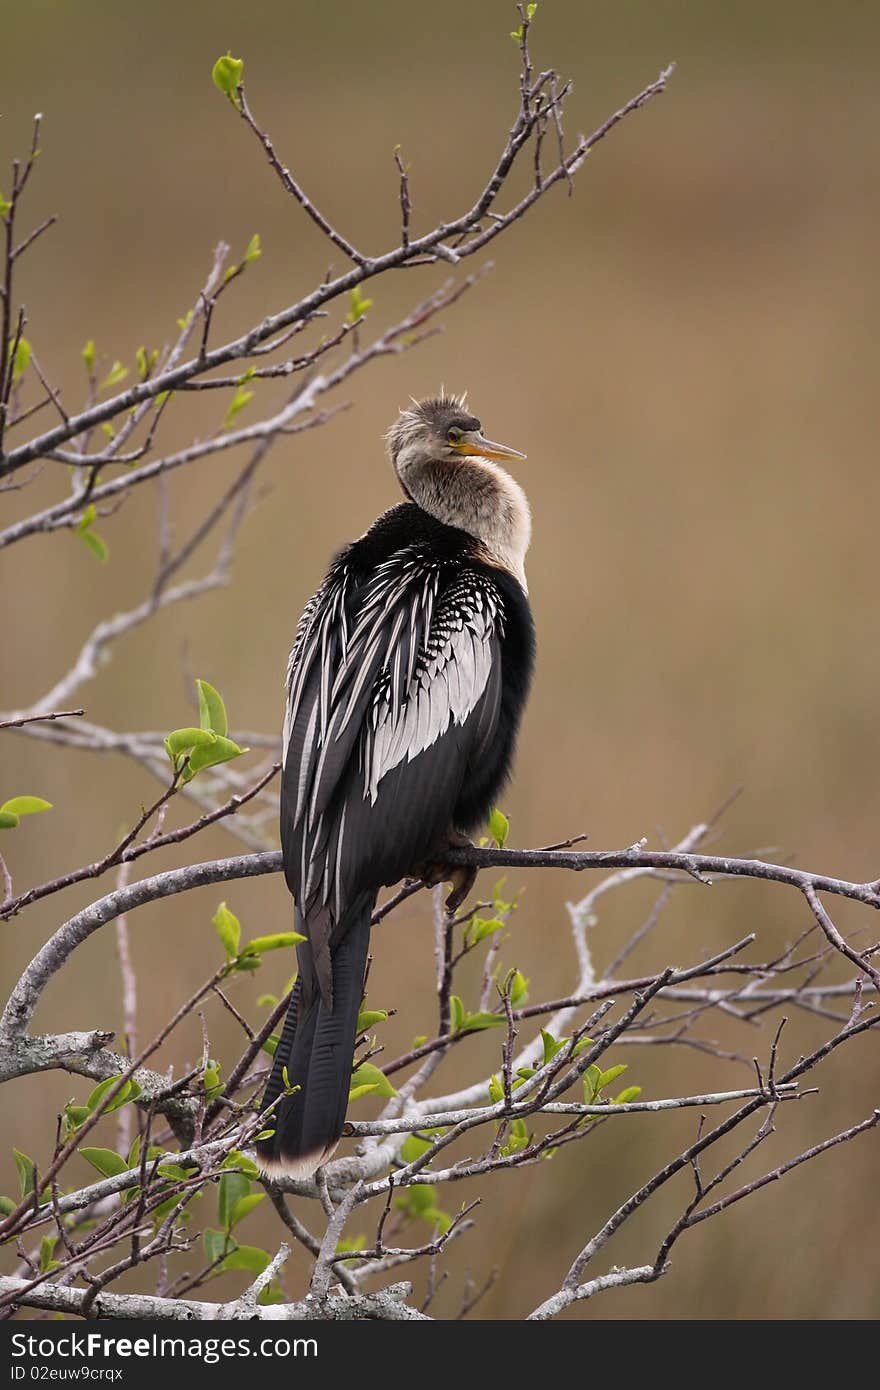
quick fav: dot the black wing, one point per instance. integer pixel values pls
(394, 691)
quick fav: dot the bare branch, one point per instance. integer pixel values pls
(810, 890)
(429, 246)
(292, 187)
(387, 1304)
(37, 718)
(746, 1191)
(55, 952)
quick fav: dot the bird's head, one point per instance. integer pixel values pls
(440, 430)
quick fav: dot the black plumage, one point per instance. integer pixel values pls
(406, 683)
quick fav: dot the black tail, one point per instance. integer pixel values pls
(317, 1048)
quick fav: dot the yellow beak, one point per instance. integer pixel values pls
(475, 444)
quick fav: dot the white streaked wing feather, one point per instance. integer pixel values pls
(337, 877)
(304, 767)
(413, 695)
(445, 688)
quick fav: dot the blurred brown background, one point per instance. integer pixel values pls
(687, 351)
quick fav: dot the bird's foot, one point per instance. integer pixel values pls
(437, 869)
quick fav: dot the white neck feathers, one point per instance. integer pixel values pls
(477, 496)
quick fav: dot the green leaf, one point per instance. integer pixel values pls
(25, 1167)
(551, 1045)
(7, 820)
(249, 1257)
(519, 989)
(116, 374)
(254, 250)
(108, 1163)
(258, 944)
(591, 1083)
(47, 1250)
(368, 1075)
(226, 75)
(419, 1204)
(216, 1244)
(76, 1115)
(247, 963)
(518, 1138)
(270, 1046)
(476, 1023)
(481, 927)
(172, 1171)
(238, 403)
(531, 11)
(368, 1018)
(496, 1090)
(351, 1245)
(245, 1205)
(212, 711)
(421, 1197)
(221, 750)
(5, 205)
(183, 740)
(88, 356)
(7, 1206)
(236, 1159)
(359, 305)
(271, 1293)
(456, 1014)
(233, 1186)
(611, 1074)
(499, 827)
(355, 1092)
(627, 1094)
(22, 357)
(96, 544)
(25, 806)
(501, 906)
(146, 361)
(129, 1091)
(413, 1147)
(228, 928)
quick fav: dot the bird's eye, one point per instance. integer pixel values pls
(453, 434)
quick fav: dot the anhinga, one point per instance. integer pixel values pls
(405, 686)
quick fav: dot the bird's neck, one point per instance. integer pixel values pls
(478, 497)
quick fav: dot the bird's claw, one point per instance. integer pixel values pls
(461, 876)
